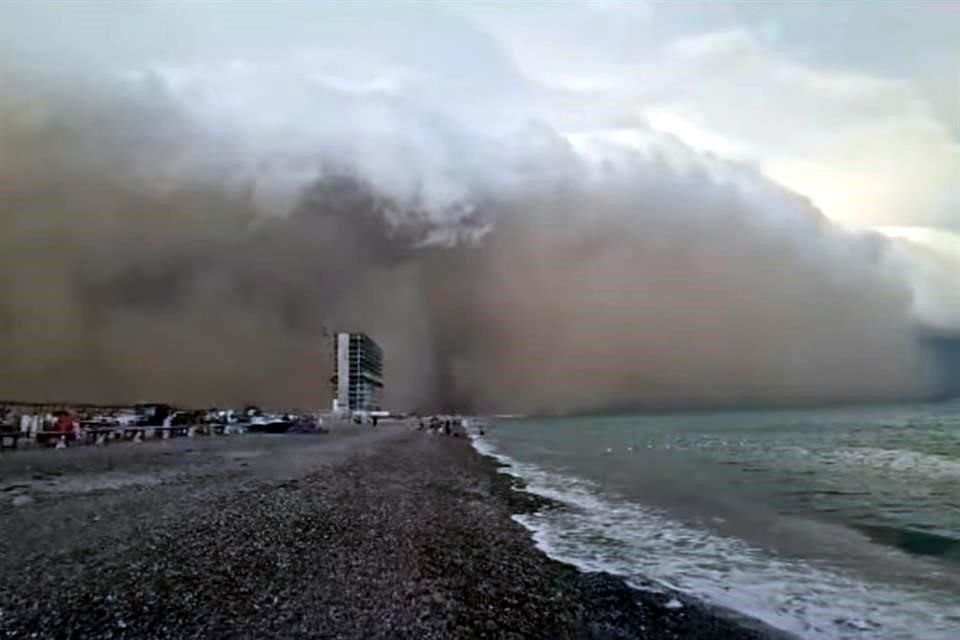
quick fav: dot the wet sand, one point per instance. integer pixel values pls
(361, 533)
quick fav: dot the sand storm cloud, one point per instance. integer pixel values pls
(191, 232)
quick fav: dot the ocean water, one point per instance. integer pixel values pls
(831, 524)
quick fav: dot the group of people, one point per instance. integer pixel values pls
(447, 426)
(61, 422)
(372, 420)
(44, 427)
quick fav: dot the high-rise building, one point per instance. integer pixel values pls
(358, 377)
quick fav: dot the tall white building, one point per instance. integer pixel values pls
(358, 377)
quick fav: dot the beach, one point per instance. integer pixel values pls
(359, 533)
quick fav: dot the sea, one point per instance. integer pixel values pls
(839, 523)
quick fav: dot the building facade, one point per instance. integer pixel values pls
(943, 349)
(358, 373)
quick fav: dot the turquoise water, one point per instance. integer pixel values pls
(839, 523)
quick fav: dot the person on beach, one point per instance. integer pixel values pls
(65, 426)
(64, 423)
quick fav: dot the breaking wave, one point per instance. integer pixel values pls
(598, 531)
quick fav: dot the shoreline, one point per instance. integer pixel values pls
(361, 533)
(614, 608)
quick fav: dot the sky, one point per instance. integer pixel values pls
(854, 104)
(796, 151)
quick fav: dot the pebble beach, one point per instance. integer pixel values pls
(359, 533)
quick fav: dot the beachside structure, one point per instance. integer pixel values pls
(943, 349)
(358, 373)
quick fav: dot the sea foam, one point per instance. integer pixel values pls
(597, 531)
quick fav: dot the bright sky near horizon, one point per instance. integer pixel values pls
(853, 104)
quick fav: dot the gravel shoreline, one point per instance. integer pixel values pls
(386, 533)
